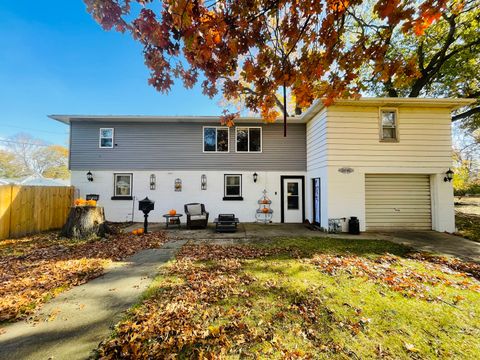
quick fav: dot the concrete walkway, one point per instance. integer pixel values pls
(430, 241)
(73, 324)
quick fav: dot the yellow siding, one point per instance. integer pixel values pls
(424, 136)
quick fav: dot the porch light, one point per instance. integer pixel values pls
(153, 182)
(89, 176)
(204, 182)
(255, 177)
(448, 176)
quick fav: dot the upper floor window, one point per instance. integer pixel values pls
(106, 138)
(249, 139)
(388, 118)
(215, 139)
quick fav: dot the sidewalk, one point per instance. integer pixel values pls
(73, 324)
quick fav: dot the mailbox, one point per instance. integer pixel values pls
(146, 205)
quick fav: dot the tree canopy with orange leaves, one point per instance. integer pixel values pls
(317, 49)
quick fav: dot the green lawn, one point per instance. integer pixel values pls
(303, 298)
(468, 225)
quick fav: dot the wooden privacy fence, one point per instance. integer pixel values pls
(29, 209)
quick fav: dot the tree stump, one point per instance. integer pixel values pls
(85, 222)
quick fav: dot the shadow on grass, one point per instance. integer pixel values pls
(307, 247)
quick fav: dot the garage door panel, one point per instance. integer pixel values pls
(397, 201)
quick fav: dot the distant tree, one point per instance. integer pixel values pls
(52, 162)
(34, 157)
(10, 167)
(23, 146)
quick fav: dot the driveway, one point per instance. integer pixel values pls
(435, 242)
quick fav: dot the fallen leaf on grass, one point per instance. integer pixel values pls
(37, 268)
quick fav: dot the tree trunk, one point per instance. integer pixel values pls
(84, 222)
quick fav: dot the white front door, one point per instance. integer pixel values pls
(292, 200)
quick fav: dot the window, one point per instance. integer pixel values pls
(122, 187)
(106, 137)
(233, 187)
(388, 120)
(249, 139)
(215, 139)
(292, 196)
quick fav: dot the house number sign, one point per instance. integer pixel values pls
(345, 170)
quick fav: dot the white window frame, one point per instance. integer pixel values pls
(216, 138)
(248, 139)
(240, 196)
(100, 138)
(380, 118)
(115, 184)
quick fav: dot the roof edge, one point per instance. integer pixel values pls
(317, 106)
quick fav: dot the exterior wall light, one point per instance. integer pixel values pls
(204, 182)
(178, 185)
(448, 176)
(89, 176)
(153, 182)
(255, 177)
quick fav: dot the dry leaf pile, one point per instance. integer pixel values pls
(396, 274)
(47, 264)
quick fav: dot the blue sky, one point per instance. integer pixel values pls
(55, 59)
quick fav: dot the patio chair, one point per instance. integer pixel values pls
(197, 217)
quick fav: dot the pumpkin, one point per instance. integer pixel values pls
(265, 210)
(172, 212)
(139, 231)
(79, 202)
(264, 201)
(135, 232)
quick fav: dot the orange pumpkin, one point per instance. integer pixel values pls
(173, 212)
(265, 210)
(135, 232)
(139, 231)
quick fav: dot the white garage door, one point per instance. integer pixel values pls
(396, 201)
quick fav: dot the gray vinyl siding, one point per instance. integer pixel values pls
(179, 146)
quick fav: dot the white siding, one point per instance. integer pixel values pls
(317, 141)
(167, 198)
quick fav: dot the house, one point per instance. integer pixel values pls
(382, 160)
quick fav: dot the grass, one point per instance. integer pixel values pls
(303, 298)
(468, 226)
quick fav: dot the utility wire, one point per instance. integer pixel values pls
(23, 143)
(31, 129)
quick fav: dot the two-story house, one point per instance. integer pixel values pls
(383, 160)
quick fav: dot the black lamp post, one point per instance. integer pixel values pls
(89, 176)
(448, 176)
(146, 205)
(255, 177)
